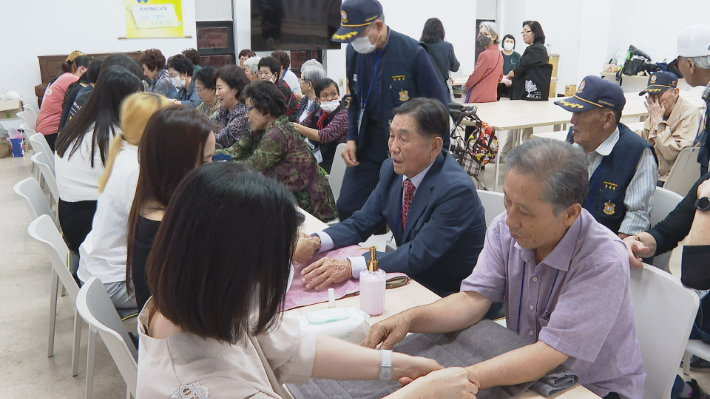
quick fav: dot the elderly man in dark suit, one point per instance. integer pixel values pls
(427, 200)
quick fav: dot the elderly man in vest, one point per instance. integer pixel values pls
(622, 166)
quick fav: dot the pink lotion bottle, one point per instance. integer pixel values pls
(372, 287)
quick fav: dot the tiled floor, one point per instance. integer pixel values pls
(25, 370)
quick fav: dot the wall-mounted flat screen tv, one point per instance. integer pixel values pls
(294, 25)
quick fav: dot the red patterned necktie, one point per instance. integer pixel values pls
(408, 196)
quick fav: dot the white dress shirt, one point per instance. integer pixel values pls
(638, 198)
(358, 263)
(292, 82)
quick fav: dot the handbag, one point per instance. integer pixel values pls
(537, 83)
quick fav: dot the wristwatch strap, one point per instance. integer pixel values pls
(385, 373)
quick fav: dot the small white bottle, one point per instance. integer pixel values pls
(372, 287)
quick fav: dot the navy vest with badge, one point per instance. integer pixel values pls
(605, 199)
(396, 69)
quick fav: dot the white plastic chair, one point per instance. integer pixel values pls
(45, 232)
(96, 308)
(35, 200)
(40, 159)
(26, 133)
(684, 172)
(493, 204)
(664, 201)
(664, 311)
(337, 171)
(39, 142)
(31, 103)
(31, 110)
(28, 118)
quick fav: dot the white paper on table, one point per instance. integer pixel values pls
(155, 16)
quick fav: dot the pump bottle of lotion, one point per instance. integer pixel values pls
(372, 287)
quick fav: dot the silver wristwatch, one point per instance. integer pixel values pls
(385, 373)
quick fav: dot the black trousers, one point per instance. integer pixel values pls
(51, 139)
(361, 180)
(75, 219)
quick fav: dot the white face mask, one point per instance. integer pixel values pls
(508, 46)
(177, 82)
(329, 106)
(363, 46)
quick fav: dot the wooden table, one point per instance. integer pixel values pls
(516, 115)
(406, 297)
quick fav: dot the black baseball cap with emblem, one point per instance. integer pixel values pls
(659, 82)
(355, 16)
(593, 93)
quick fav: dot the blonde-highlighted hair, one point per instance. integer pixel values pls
(136, 109)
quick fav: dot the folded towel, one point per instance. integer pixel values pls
(482, 341)
(298, 295)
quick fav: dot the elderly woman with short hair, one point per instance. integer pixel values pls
(482, 85)
(251, 68)
(309, 76)
(273, 147)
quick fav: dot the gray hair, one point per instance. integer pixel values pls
(312, 74)
(492, 29)
(252, 64)
(311, 63)
(559, 166)
(702, 62)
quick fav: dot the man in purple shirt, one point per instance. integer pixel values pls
(564, 279)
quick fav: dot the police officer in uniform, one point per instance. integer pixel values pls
(384, 69)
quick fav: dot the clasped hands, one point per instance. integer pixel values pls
(323, 272)
(454, 382)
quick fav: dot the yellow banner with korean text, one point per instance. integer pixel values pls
(153, 18)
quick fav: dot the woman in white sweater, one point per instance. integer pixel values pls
(103, 252)
(219, 272)
(81, 152)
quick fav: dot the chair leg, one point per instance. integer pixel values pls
(90, 363)
(686, 363)
(64, 291)
(76, 345)
(52, 312)
(128, 393)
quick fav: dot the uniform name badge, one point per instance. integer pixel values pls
(391, 244)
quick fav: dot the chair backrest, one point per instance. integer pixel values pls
(664, 312)
(337, 171)
(35, 200)
(43, 146)
(664, 201)
(96, 308)
(40, 159)
(493, 205)
(30, 102)
(28, 118)
(31, 110)
(684, 172)
(45, 231)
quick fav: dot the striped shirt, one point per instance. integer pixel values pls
(639, 194)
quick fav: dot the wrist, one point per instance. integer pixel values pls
(316, 242)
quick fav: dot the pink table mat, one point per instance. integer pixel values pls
(298, 295)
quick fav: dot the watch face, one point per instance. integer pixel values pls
(703, 203)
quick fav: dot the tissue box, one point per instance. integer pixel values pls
(8, 108)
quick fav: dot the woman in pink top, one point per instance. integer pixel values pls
(51, 111)
(482, 84)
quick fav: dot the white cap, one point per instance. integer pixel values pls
(694, 41)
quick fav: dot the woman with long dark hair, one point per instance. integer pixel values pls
(103, 252)
(176, 140)
(219, 273)
(82, 148)
(440, 51)
(273, 147)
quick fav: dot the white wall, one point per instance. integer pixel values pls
(654, 26)
(47, 27)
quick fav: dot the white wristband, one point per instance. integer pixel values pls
(385, 373)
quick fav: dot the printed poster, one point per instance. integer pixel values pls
(153, 18)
